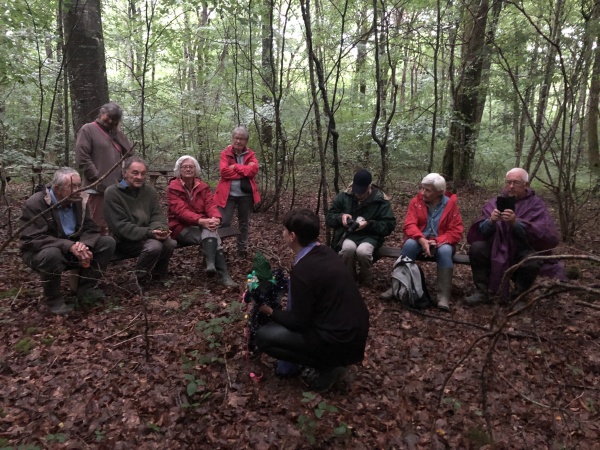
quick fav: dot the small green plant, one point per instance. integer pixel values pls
(31, 331)
(99, 435)
(4, 446)
(591, 404)
(193, 383)
(322, 407)
(343, 431)
(9, 293)
(212, 329)
(479, 437)
(456, 405)
(575, 370)
(153, 427)
(58, 437)
(47, 340)
(307, 425)
(24, 346)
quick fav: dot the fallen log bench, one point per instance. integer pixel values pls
(394, 252)
(74, 273)
(224, 233)
(154, 174)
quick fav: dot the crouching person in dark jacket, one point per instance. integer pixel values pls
(327, 324)
(63, 238)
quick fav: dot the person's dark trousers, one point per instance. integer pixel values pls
(480, 254)
(281, 343)
(153, 257)
(525, 276)
(51, 262)
(103, 251)
(244, 206)
(480, 258)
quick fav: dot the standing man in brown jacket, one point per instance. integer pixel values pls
(100, 145)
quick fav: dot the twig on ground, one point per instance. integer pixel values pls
(120, 331)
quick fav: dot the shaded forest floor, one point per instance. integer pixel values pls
(169, 370)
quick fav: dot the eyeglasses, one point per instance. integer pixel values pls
(514, 182)
(188, 167)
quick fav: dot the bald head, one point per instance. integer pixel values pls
(516, 182)
(518, 173)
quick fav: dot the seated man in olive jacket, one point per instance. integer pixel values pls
(136, 220)
(60, 235)
(362, 217)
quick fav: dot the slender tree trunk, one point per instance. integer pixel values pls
(305, 5)
(593, 100)
(471, 91)
(85, 59)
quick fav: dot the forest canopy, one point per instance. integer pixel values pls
(468, 89)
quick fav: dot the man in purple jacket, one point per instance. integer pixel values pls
(503, 236)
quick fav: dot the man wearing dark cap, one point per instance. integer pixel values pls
(362, 217)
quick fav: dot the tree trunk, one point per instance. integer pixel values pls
(470, 93)
(593, 112)
(85, 59)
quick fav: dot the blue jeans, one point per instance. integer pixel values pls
(244, 206)
(443, 255)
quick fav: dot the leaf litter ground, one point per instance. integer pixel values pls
(169, 369)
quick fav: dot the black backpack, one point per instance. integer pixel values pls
(408, 284)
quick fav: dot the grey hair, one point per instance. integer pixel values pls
(62, 176)
(436, 180)
(240, 130)
(179, 162)
(522, 172)
(113, 110)
(133, 159)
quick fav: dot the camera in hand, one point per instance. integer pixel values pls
(352, 225)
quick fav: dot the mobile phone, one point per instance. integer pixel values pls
(503, 203)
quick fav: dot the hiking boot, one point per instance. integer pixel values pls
(444, 281)
(58, 306)
(365, 277)
(327, 378)
(209, 247)
(477, 298)
(387, 296)
(92, 295)
(221, 266)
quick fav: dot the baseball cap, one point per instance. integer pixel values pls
(362, 180)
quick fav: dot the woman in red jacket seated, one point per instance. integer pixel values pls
(194, 218)
(432, 228)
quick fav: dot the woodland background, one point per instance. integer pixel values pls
(468, 89)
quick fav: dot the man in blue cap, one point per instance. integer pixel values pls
(362, 217)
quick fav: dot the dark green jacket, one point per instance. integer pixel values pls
(132, 214)
(376, 209)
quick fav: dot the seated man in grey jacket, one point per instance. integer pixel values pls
(136, 220)
(60, 235)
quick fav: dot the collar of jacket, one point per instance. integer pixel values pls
(376, 194)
